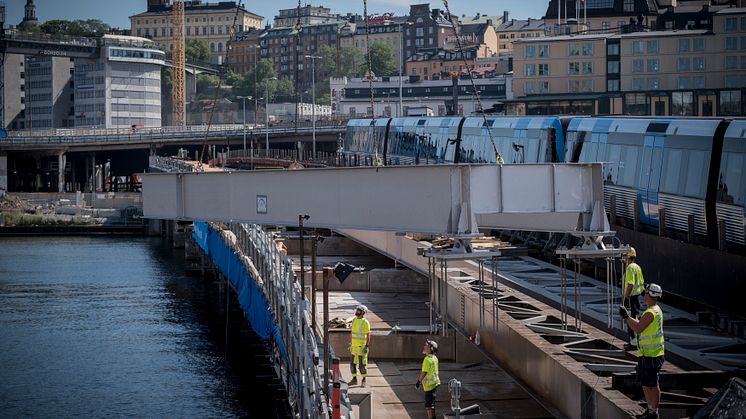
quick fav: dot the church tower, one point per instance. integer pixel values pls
(29, 16)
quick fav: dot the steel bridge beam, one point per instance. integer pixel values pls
(438, 199)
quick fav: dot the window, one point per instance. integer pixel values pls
(743, 62)
(653, 66)
(652, 84)
(683, 64)
(612, 67)
(419, 31)
(612, 85)
(530, 70)
(731, 62)
(731, 80)
(543, 51)
(612, 49)
(430, 30)
(684, 83)
(743, 42)
(543, 69)
(588, 67)
(629, 5)
(605, 26)
(730, 102)
(698, 82)
(638, 47)
(573, 50)
(652, 47)
(731, 43)
(573, 68)
(743, 24)
(638, 84)
(683, 45)
(682, 104)
(530, 51)
(587, 49)
(698, 64)
(731, 24)
(698, 44)
(638, 66)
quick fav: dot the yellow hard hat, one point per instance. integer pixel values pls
(632, 253)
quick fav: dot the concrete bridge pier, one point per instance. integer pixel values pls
(37, 183)
(3, 174)
(61, 162)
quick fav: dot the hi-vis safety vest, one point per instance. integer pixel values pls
(633, 275)
(650, 341)
(360, 328)
(430, 366)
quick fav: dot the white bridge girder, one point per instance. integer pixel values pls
(437, 199)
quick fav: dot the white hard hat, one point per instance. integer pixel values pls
(654, 290)
(433, 345)
(362, 308)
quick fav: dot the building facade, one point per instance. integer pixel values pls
(245, 51)
(351, 97)
(427, 30)
(513, 29)
(209, 22)
(658, 73)
(386, 30)
(440, 64)
(309, 15)
(48, 93)
(121, 88)
(12, 99)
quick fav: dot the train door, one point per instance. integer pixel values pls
(650, 178)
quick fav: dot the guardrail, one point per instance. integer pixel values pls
(170, 165)
(153, 135)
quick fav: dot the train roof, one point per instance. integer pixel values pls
(736, 130)
(688, 127)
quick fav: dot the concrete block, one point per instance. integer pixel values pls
(394, 346)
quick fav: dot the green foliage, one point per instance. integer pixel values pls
(255, 82)
(87, 27)
(206, 81)
(284, 90)
(196, 50)
(351, 62)
(327, 65)
(381, 59)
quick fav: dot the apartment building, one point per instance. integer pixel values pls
(309, 15)
(438, 65)
(12, 99)
(287, 47)
(245, 51)
(427, 30)
(210, 22)
(481, 36)
(513, 29)
(662, 73)
(381, 29)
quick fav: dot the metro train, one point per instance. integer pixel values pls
(692, 168)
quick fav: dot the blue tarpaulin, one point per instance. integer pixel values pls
(250, 296)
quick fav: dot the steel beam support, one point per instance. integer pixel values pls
(437, 199)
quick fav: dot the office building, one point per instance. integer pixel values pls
(48, 92)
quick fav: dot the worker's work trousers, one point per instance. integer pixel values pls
(634, 311)
(359, 361)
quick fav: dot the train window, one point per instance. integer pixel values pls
(671, 181)
(628, 171)
(696, 174)
(731, 185)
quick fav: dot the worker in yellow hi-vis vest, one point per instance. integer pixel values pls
(429, 376)
(650, 342)
(359, 344)
(634, 284)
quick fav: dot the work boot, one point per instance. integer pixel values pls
(353, 381)
(363, 382)
(630, 347)
(648, 414)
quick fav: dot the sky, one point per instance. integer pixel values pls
(116, 12)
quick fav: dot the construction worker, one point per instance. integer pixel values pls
(650, 342)
(429, 378)
(634, 284)
(359, 344)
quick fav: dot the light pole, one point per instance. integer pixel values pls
(266, 114)
(243, 99)
(313, 93)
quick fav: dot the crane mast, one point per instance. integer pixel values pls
(179, 61)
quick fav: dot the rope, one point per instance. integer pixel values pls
(376, 159)
(228, 43)
(498, 157)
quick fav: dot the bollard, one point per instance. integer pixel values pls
(690, 228)
(662, 222)
(337, 389)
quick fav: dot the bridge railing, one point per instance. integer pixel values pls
(169, 164)
(291, 313)
(58, 39)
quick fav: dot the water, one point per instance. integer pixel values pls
(97, 327)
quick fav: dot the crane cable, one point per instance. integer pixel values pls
(376, 159)
(498, 157)
(228, 43)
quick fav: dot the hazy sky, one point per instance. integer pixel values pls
(117, 12)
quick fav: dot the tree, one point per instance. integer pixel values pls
(381, 59)
(326, 66)
(254, 83)
(205, 81)
(87, 27)
(196, 50)
(284, 89)
(351, 62)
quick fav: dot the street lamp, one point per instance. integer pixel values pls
(266, 114)
(401, 58)
(243, 99)
(313, 92)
